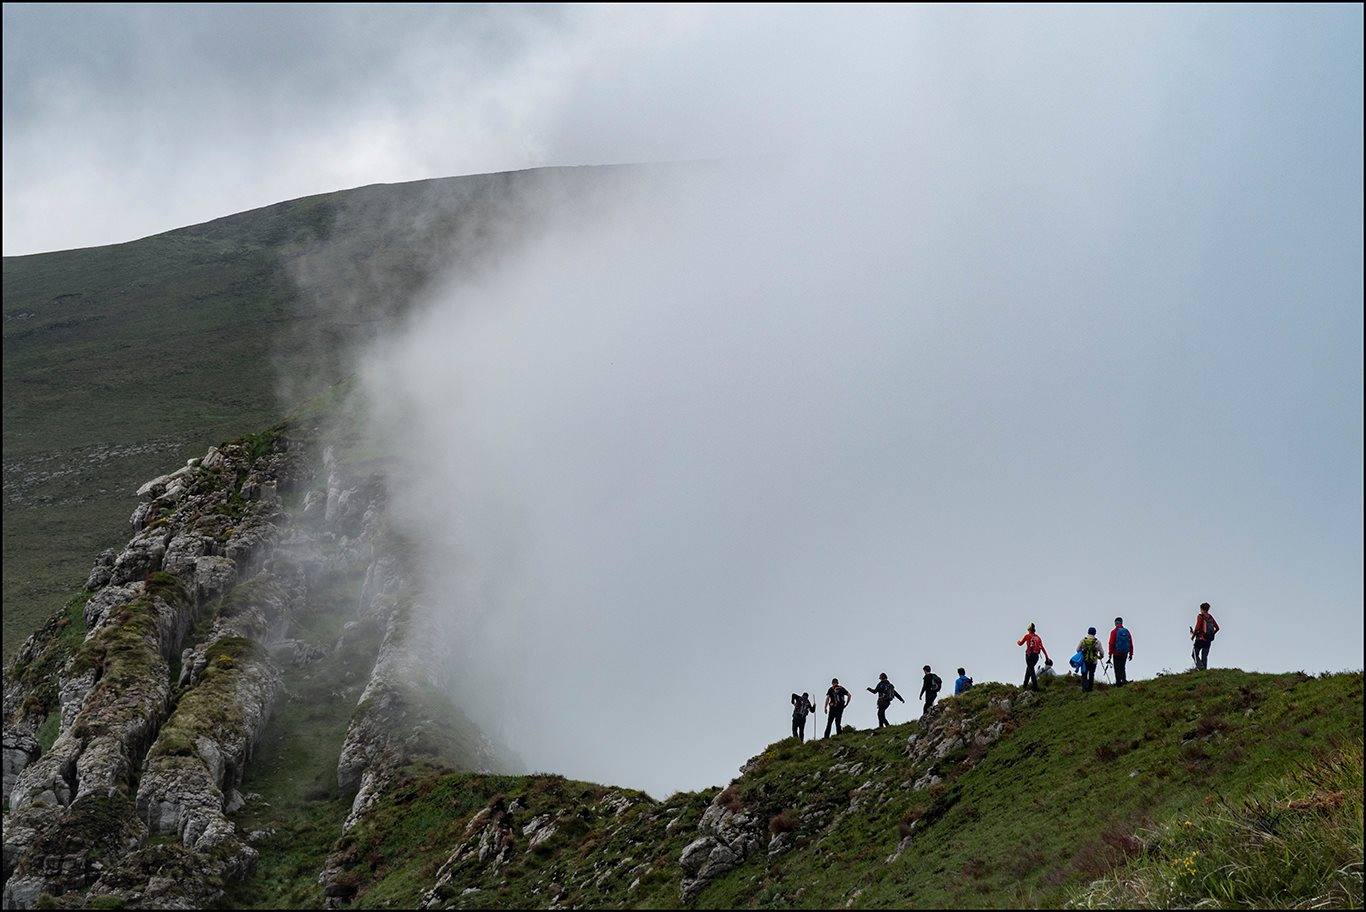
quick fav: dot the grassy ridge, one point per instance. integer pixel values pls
(1061, 801)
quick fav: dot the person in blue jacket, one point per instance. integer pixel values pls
(963, 682)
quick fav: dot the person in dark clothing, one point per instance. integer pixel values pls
(929, 689)
(1121, 650)
(1203, 634)
(885, 692)
(1033, 645)
(1091, 654)
(836, 698)
(801, 707)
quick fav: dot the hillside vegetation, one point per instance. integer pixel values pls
(1149, 795)
(121, 359)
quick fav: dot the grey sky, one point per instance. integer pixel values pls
(998, 315)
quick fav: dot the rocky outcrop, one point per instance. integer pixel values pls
(729, 835)
(231, 682)
(137, 753)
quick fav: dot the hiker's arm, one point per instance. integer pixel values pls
(898, 696)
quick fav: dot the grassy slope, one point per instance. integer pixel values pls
(121, 360)
(1048, 809)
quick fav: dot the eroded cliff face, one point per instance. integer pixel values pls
(131, 717)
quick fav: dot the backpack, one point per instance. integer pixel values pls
(935, 683)
(1076, 660)
(1123, 642)
(1089, 649)
(1208, 628)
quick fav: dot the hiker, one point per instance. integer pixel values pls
(1121, 650)
(885, 692)
(963, 682)
(1091, 654)
(1203, 634)
(929, 688)
(801, 706)
(1048, 671)
(1033, 645)
(836, 698)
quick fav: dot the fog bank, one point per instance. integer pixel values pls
(1015, 316)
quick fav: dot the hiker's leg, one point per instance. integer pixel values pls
(829, 721)
(881, 715)
(796, 732)
(1120, 679)
(839, 720)
(1204, 654)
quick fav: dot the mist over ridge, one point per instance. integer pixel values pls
(885, 398)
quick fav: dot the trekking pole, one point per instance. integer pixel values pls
(1107, 671)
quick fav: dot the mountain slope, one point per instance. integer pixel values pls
(999, 799)
(119, 359)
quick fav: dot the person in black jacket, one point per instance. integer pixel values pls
(929, 688)
(836, 698)
(885, 692)
(801, 706)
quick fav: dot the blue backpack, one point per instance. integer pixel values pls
(1077, 661)
(1123, 642)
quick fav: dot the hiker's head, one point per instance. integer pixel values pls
(1119, 622)
(805, 695)
(1090, 631)
(834, 680)
(1048, 662)
(962, 671)
(882, 677)
(1031, 628)
(1204, 606)
(927, 668)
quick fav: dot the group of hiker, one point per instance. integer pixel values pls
(1084, 662)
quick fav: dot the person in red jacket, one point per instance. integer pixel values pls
(1203, 634)
(1121, 650)
(1033, 645)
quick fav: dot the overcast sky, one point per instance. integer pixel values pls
(995, 315)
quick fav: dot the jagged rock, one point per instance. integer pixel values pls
(183, 552)
(728, 838)
(20, 748)
(72, 692)
(154, 487)
(213, 459)
(542, 835)
(780, 843)
(535, 824)
(140, 557)
(141, 516)
(213, 575)
(103, 603)
(102, 571)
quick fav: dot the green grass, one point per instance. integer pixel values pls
(1061, 801)
(1294, 844)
